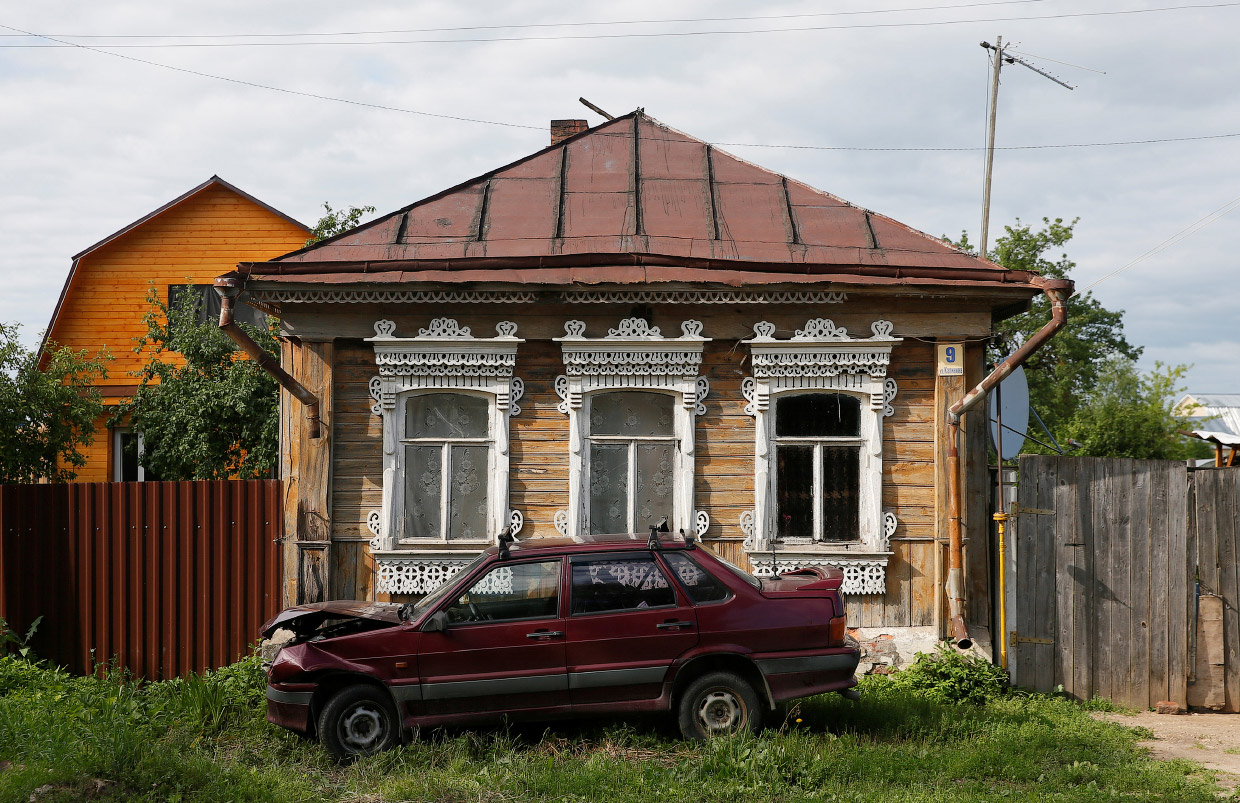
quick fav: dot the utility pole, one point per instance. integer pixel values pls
(999, 58)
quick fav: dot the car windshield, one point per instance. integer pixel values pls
(412, 610)
(739, 572)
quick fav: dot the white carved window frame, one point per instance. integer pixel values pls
(821, 358)
(445, 357)
(634, 356)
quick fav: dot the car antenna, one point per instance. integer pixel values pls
(503, 540)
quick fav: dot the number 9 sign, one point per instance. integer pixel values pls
(950, 359)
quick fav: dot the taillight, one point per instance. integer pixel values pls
(836, 631)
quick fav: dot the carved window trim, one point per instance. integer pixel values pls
(633, 356)
(823, 358)
(444, 357)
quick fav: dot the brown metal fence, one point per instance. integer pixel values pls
(167, 578)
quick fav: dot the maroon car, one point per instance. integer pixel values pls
(553, 628)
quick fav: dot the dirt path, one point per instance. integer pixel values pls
(1212, 740)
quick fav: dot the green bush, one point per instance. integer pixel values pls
(950, 676)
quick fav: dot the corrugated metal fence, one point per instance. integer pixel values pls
(166, 577)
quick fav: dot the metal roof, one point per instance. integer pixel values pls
(636, 199)
(1221, 409)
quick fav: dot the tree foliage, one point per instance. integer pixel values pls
(1084, 382)
(1130, 414)
(204, 409)
(337, 221)
(48, 412)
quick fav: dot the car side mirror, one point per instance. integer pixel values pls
(437, 623)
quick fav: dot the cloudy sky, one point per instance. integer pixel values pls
(91, 139)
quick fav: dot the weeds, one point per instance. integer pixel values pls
(950, 676)
(110, 738)
(11, 641)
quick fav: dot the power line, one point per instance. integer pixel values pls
(643, 35)
(275, 88)
(459, 118)
(515, 26)
(1174, 239)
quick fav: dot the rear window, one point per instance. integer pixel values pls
(619, 583)
(739, 572)
(699, 584)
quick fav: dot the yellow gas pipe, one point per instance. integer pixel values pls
(1001, 520)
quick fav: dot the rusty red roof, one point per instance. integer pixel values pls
(631, 194)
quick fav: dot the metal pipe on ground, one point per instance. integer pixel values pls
(229, 287)
(1058, 291)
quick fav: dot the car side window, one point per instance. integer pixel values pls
(619, 583)
(699, 584)
(509, 592)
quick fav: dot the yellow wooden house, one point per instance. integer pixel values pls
(179, 247)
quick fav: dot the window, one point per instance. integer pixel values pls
(632, 454)
(207, 304)
(126, 452)
(619, 583)
(631, 398)
(509, 592)
(448, 449)
(701, 585)
(819, 399)
(817, 462)
(445, 398)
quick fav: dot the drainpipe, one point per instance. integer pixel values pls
(1058, 291)
(228, 288)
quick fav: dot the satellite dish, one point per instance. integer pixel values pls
(1011, 398)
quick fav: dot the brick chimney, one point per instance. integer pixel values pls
(563, 129)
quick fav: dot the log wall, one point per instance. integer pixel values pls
(538, 479)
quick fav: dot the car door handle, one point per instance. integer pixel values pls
(673, 625)
(545, 634)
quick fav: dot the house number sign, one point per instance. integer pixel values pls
(950, 359)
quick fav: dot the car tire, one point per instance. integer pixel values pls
(358, 721)
(718, 704)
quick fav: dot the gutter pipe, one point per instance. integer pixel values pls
(1058, 291)
(228, 287)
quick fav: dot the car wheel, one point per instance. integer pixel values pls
(358, 721)
(718, 704)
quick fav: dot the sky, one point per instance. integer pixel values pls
(130, 103)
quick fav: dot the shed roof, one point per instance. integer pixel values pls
(630, 201)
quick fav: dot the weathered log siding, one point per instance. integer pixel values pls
(538, 480)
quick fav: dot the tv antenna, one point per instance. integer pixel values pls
(999, 56)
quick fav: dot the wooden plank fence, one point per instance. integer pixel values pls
(1104, 599)
(1214, 531)
(166, 578)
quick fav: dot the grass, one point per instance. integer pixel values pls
(205, 739)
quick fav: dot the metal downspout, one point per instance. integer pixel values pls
(1058, 291)
(228, 288)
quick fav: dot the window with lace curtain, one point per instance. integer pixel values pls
(817, 467)
(632, 460)
(447, 449)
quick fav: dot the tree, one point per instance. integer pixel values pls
(337, 221)
(48, 411)
(1067, 366)
(205, 411)
(1088, 367)
(1130, 414)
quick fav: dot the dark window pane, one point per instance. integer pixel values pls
(609, 484)
(634, 413)
(619, 584)
(128, 443)
(447, 415)
(818, 415)
(654, 484)
(207, 305)
(467, 500)
(701, 585)
(518, 591)
(841, 470)
(794, 490)
(423, 491)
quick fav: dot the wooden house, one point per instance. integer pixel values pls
(181, 246)
(627, 326)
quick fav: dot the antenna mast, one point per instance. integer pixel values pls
(1000, 56)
